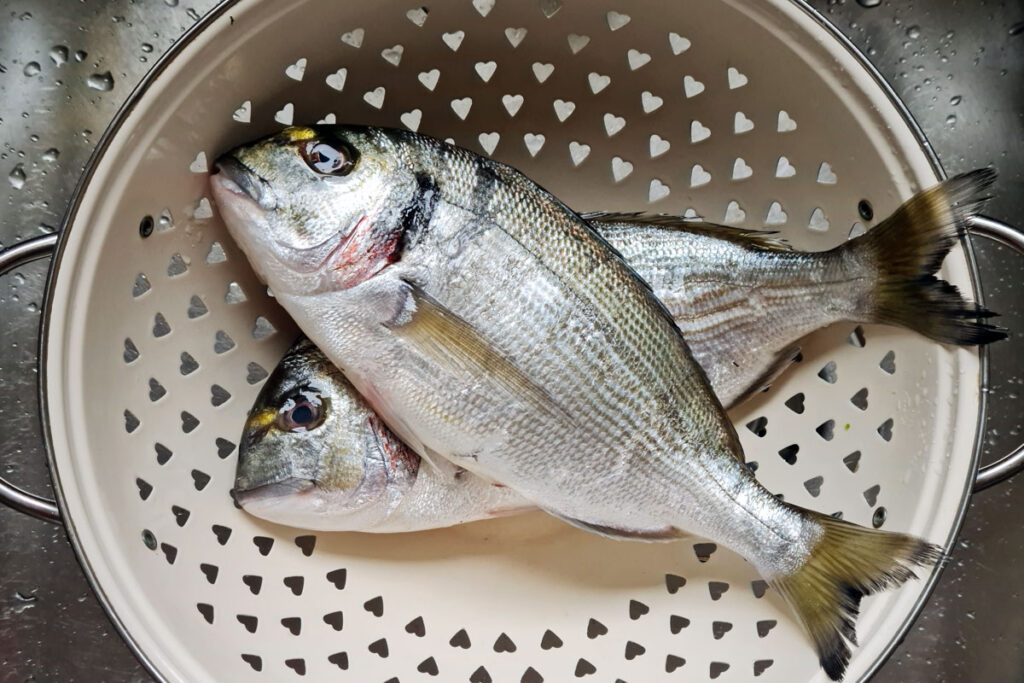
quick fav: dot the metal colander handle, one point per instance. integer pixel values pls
(1013, 461)
(19, 499)
(40, 247)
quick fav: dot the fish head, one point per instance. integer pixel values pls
(316, 208)
(314, 455)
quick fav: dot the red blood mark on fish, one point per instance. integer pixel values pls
(398, 456)
(362, 254)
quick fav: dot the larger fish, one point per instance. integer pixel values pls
(314, 454)
(489, 325)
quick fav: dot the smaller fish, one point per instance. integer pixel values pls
(314, 455)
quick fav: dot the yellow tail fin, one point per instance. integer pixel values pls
(848, 563)
(905, 251)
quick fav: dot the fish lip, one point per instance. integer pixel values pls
(237, 178)
(276, 489)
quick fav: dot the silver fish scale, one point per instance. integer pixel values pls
(544, 299)
(737, 302)
(549, 352)
(653, 447)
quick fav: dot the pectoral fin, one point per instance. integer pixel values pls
(448, 466)
(436, 461)
(452, 342)
(778, 365)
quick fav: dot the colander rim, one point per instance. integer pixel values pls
(209, 19)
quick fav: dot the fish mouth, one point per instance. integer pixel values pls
(263, 493)
(238, 179)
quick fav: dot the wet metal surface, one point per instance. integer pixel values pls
(64, 69)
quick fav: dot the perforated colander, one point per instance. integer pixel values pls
(157, 337)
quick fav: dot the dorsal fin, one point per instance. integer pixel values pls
(763, 239)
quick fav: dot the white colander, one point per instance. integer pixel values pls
(157, 336)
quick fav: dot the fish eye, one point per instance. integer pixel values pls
(302, 412)
(328, 159)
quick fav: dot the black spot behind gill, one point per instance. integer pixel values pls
(416, 216)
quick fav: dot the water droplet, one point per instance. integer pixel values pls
(869, 3)
(25, 16)
(17, 177)
(1017, 28)
(192, 14)
(956, 99)
(81, 55)
(51, 154)
(31, 69)
(59, 54)
(914, 32)
(103, 81)
(171, 3)
(951, 120)
(146, 47)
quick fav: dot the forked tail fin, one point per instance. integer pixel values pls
(907, 248)
(847, 563)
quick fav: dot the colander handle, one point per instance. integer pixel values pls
(19, 499)
(1012, 462)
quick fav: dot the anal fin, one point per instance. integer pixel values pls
(666, 533)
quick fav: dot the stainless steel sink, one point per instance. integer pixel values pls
(66, 67)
